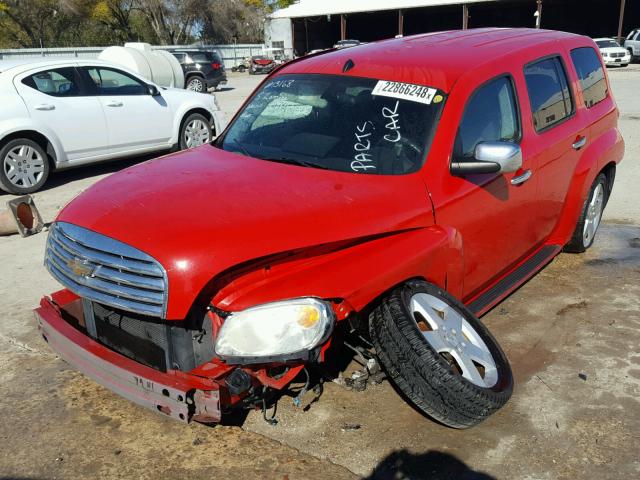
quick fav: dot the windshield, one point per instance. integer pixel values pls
(607, 43)
(348, 124)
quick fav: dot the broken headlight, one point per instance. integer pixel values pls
(279, 331)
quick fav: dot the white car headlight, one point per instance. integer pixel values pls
(287, 330)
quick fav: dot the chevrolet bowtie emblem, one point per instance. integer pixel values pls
(79, 267)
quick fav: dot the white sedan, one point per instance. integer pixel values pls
(612, 53)
(62, 113)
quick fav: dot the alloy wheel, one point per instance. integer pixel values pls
(23, 166)
(594, 214)
(195, 85)
(449, 334)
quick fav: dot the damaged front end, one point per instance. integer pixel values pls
(161, 371)
(109, 324)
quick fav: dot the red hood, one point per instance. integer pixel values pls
(203, 211)
(263, 62)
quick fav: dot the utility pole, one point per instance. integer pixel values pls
(538, 14)
(621, 22)
(465, 16)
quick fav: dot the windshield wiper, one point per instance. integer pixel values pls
(292, 161)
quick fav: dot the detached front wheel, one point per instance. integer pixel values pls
(440, 356)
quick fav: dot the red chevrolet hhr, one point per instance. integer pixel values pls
(401, 188)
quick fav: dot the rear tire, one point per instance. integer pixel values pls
(431, 366)
(24, 166)
(195, 84)
(590, 217)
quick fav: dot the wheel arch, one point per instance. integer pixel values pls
(601, 156)
(190, 75)
(38, 137)
(202, 111)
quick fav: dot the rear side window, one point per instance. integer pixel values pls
(592, 81)
(203, 57)
(61, 82)
(549, 94)
(490, 116)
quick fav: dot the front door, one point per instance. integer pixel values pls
(57, 98)
(136, 120)
(493, 213)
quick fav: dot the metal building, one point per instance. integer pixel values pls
(316, 24)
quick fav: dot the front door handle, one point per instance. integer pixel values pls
(579, 143)
(45, 106)
(520, 179)
(114, 103)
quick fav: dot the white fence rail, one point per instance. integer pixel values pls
(232, 55)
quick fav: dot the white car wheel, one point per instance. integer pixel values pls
(25, 167)
(195, 131)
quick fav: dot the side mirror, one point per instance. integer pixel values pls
(491, 157)
(153, 90)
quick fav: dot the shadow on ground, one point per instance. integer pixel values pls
(65, 176)
(432, 465)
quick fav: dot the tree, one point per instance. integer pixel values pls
(116, 15)
(173, 22)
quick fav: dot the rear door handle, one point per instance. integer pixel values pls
(114, 103)
(45, 106)
(520, 179)
(579, 143)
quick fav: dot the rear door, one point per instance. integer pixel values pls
(58, 98)
(135, 119)
(559, 134)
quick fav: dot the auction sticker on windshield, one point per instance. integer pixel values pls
(405, 91)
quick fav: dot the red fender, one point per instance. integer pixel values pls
(607, 148)
(357, 274)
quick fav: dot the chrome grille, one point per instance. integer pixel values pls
(617, 55)
(105, 270)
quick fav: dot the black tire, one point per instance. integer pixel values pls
(431, 382)
(578, 242)
(37, 160)
(196, 83)
(194, 117)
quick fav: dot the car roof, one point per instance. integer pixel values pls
(23, 64)
(603, 38)
(434, 59)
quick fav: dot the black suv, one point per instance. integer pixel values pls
(203, 69)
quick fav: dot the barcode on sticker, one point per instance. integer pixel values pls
(405, 91)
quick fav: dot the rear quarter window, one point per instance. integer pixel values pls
(549, 93)
(592, 80)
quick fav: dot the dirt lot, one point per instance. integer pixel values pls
(571, 333)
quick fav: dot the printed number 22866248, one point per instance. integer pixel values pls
(404, 91)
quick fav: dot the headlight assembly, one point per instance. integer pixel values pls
(279, 331)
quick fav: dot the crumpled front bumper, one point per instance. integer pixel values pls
(178, 395)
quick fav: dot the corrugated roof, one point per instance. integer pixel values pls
(312, 8)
